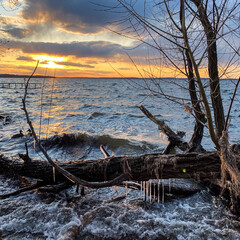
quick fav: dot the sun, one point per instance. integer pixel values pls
(52, 64)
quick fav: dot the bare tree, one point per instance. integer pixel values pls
(185, 34)
(191, 36)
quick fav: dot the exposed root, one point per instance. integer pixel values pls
(24, 189)
(56, 188)
(230, 171)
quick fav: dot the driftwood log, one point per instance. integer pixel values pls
(175, 139)
(200, 166)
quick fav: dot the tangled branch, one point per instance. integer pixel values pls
(123, 177)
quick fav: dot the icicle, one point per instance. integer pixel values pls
(162, 190)
(77, 188)
(150, 191)
(169, 182)
(54, 175)
(159, 182)
(147, 190)
(141, 189)
(144, 189)
(34, 144)
(154, 191)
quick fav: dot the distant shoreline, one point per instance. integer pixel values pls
(131, 78)
(23, 76)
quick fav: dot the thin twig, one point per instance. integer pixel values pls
(230, 106)
(104, 151)
(172, 136)
(21, 190)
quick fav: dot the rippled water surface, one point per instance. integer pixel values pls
(74, 117)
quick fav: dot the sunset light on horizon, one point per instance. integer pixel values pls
(76, 39)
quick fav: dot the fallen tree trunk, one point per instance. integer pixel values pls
(200, 166)
(175, 139)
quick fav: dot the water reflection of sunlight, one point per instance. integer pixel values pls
(51, 128)
(51, 120)
(52, 108)
(53, 112)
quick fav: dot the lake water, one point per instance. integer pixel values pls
(105, 111)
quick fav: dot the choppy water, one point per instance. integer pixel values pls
(84, 114)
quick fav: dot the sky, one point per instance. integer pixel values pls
(72, 38)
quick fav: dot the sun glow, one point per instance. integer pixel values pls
(49, 61)
(52, 64)
(43, 58)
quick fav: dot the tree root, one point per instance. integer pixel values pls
(24, 189)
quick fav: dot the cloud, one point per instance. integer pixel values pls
(102, 49)
(124, 68)
(23, 58)
(71, 64)
(13, 28)
(16, 32)
(74, 16)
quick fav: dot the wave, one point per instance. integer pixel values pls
(5, 119)
(96, 114)
(82, 145)
(72, 139)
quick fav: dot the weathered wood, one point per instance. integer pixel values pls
(56, 188)
(104, 151)
(21, 190)
(175, 139)
(204, 166)
(230, 173)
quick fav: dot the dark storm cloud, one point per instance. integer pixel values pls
(72, 64)
(12, 29)
(100, 49)
(73, 15)
(23, 58)
(16, 32)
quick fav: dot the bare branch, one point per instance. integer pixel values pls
(230, 106)
(68, 175)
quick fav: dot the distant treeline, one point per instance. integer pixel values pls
(23, 76)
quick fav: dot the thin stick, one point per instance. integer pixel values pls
(230, 106)
(49, 110)
(21, 190)
(40, 124)
(163, 127)
(104, 151)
